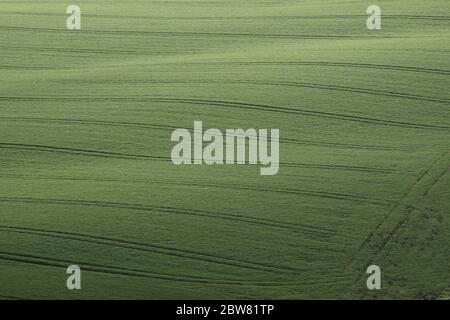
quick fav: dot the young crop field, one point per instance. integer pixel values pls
(86, 176)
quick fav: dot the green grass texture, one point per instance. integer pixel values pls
(85, 171)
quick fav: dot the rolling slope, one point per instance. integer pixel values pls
(85, 171)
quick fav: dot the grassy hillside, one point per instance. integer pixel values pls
(85, 170)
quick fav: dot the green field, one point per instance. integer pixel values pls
(85, 170)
